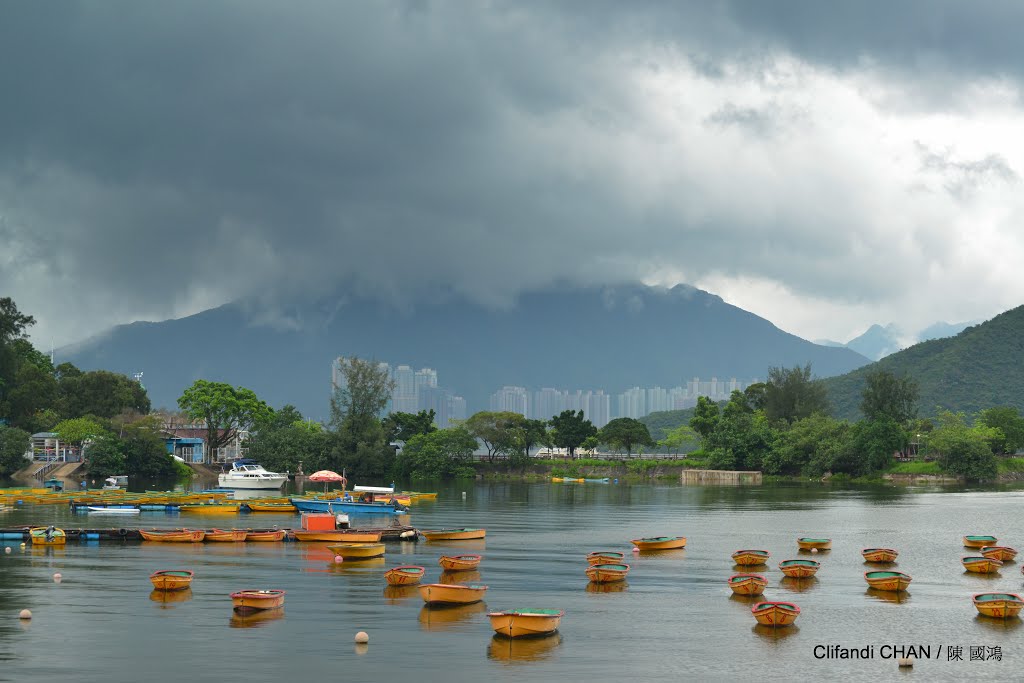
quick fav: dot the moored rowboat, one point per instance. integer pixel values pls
(888, 581)
(42, 535)
(660, 542)
(814, 543)
(337, 536)
(226, 535)
(998, 605)
(247, 601)
(748, 584)
(357, 551)
(452, 593)
(799, 569)
(405, 575)
(454, 534)
(171, 579)
(526, 622)
(775, 613)
(173, 535)
(265, 536)
(605, 557)
(979, 541)
(459, 562)
(607, 573)
(750, 558)
(1002, 553)
(879, 554)
(981, 565)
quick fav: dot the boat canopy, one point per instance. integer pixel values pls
(373, 489)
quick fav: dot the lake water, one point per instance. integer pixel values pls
(675, 619)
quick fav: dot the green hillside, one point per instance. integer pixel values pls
(979, 368)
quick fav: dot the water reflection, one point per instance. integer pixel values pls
(256, 619)
(775, 633)
(993, 576)
(396, 594)
(519, 650)
(746, 600)
(888, 596)
(470, 576)
(678, 554)
(799, 585)
(354, 566)
(471, 544)
(995, 624)
(447, 617)
(613, 587)
(168, 598)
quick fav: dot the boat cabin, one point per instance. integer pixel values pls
(367, 494)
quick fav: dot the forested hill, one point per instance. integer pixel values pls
(562, 337)
(979, 368)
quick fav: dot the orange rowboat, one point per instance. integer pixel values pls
(357, 551)
(405, 575)
(605, 557)
(459, 563)
(171, 579)
(607, 573)
(248, 601)
(981, 565)
(173, 535)
(750, 558)
(775, 613)
(799, 569)
(452, 593)
(226, 535)
(660, 543)
(998, 605)
(748, 584)
(527, 622)
(888, 581)
(879, 554)
(338, 536)
(980, 541)
(1002, 553)
(265, 536)
(454, 534)
(814, 543)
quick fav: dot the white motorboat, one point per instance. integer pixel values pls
(245, 474)
(112, 511)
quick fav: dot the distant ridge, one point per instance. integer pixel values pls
(978, 368)
(608, 338)
(879, 341)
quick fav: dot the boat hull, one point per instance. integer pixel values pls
(998, 605)
(879, 554)
(888, 581)
(980, 541)
(525, 623)
(660, 543)
(999, 552)
(179, 536)
(211, 508)
(337, 505)
(339, 536)
(750, 558)
(981, 565)
(270, 507)
(454, 534)
(799, 569)
(605, 557)
(248, 601)
(272, 483)
(357, 551)
(459, 563)
(451, 594)
(607, 573)
(226, 535)
(775, 614)
(748, 584)
(404, 576)
(814, 543)
(265, 536)
(171, 579)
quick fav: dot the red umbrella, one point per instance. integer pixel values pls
(327, 476)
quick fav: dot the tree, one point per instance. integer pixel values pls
(403, 426)
(792, 394)
(887, 396)
(810, 446)
(444, 454)
(145, 451)
(570, 428)
(1008, 420)
(78, 430)
(705, 417)
(625, 432)
(677, 438)
(364, 391)
(34, 390)
(14, 443)
(225, 409)
(101, 393)
(360, 443)
(106, 457)
(875, 441)
(963, 450)
(497, 431)
(13, 327)
(741, 439)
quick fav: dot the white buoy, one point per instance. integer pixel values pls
(906, 662)
(57, 577)
(362, 637)
(25, 614)
(814, 550)
(7, 549)
(635, 549)
(338, 559)
(407, 534)
(463, 494)
(23, 544)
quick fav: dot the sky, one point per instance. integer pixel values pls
(826, 166)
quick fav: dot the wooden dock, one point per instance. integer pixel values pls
(124, 534)
(721, 477)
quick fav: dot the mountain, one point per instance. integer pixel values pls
(568, 338)
(940, 330)
(876, 342)
(978, 368)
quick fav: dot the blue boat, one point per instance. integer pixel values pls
(346, 506)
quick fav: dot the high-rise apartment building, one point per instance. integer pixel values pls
(510, 399)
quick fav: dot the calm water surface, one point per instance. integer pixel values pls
(675, 619)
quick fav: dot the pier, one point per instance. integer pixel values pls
(124, 534)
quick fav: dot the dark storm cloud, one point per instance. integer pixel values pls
(156, 158)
